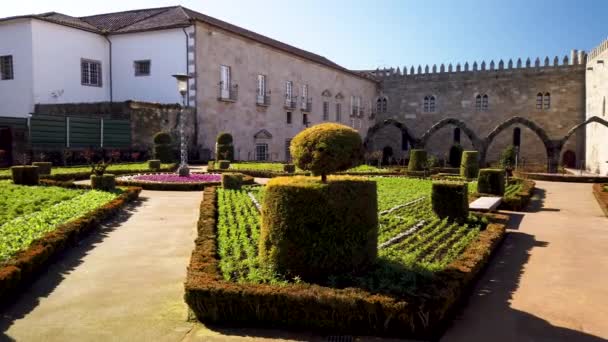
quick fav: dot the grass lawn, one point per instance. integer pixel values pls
(401, 267)
(278, 167)
(136, 167)
(27, 213)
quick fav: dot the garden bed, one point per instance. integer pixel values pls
(558, 177)
(271, 170)
(50, 220)
(600, 191)
(411, 292)
(171, 181)
(66, 173)
(518, 193)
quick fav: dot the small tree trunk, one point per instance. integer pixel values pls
(324, 178)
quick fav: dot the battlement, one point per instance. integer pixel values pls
(576, 58)
(598, 50)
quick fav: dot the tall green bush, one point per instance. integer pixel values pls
(232, 180)
(469, 166)
(418, 160)
(163, 150)
(44, 168)
(223, 147)
(491, 181)
(25, 175)
(455, 155)
(450, 200)
(507, 157)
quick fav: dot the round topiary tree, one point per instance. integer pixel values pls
(224, 150)
(327, 148)
(455, 156)
(314, 228)
(417, 161)
(162, 147)
(469, 166)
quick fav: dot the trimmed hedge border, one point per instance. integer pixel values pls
(519, 200)
(313, 307)
(85, 175)
(556, 177)
(247, 180)
(17, 273)
(601, 196)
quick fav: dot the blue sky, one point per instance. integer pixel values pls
(369, 34)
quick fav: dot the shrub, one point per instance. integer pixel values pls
(469, 166)
(105, 182)
(432, 161)
(25, 175)
(341, 236)
(289, 168)
(417, 160)
(491, 181)
(327, 148)
(210, 165)
(450, 200)
(223, 147)
(162, 138)
(154, 164)
(224, 138)
(223, 164)
(232, 180)
(44, 168)
(455, 155)
(507, 157)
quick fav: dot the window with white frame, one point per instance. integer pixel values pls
(261, 151)
(142, 68)
(481, 102)
(543, 101)
(6, 67)
(429, 104)
(90, 73)
(325, 110)
(261, 90)
(338, 112)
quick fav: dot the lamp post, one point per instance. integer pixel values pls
(182, 88)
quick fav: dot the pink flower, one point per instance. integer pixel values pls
(174, 178)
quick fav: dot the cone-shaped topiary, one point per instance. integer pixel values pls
(327, 148)
(491, 181)
(450, 200)
(223, 147)
(469, 166)
(455, 155)
(315, 229)
(417, 160)
(224, 138)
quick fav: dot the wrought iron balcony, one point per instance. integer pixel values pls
(290, 101)
(306, 104)
(262, 99)
(354, 111)
(228, 92)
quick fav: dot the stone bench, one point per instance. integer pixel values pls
(485, 203)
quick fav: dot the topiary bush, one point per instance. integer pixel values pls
(210, 165)
(450, 200)
(341, 237)
(154, 164)
(327, 148)
(491, 181)
(25, 175)
(289, 168)
(223, 147)
(223, 164)
(44, 168)
(232, 180)
(469, 166)
(105, 182)
(417, 161)
(162, 147)
(455, 156)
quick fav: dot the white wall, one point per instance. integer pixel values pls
(16, 94)
(57, 52)
(596, 89)
(165, 49)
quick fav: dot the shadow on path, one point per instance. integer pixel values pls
(65, 263)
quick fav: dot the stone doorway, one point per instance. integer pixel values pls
(569, 159)
(6, 147)
(387, 155)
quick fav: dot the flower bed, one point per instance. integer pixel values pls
(171, 181)
(600, 191)
(66, 173)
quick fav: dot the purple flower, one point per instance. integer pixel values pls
(173, 178)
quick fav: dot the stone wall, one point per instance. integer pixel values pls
(512, 92)
(597, 91)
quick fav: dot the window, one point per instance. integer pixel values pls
(547, 101)
(305, 119)
(325, 110)
(517, 137)
(543, 102)
(381, 105)
(539, 101)
(142, 68)
(478, 102)
(289, 98)
(305, 92)
(288, 118)
(338, 112)
(90, 73)
(481, 102)
(6, 67)
(404, 141)
(287, 151)
(261, 151)
(457, 135)
(261, 90)
(225, 76)
(429, 104)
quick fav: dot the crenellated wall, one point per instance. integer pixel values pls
(511, 90)
(596, 93)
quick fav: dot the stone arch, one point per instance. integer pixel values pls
(573, 130)
(404, 130)
(477, 143)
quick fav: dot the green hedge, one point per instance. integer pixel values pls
(224, 152)
(210, 165)
(340, 237)
(322, 309)
(455, 157)
(519, 200)
(25, 175)
(232, 180)
(469, 167)
(164, 153)
(162, 138)
(154, 164)
(106, 182)
(44, 168)
(289, 168)
(491, 181)
(450, 200)
(223, 164)
(224, 138)
(21, 270)
(417, 160)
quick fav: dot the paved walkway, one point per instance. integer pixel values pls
(123, 284)
(549, 281)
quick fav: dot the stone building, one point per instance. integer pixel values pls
(596, 92)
